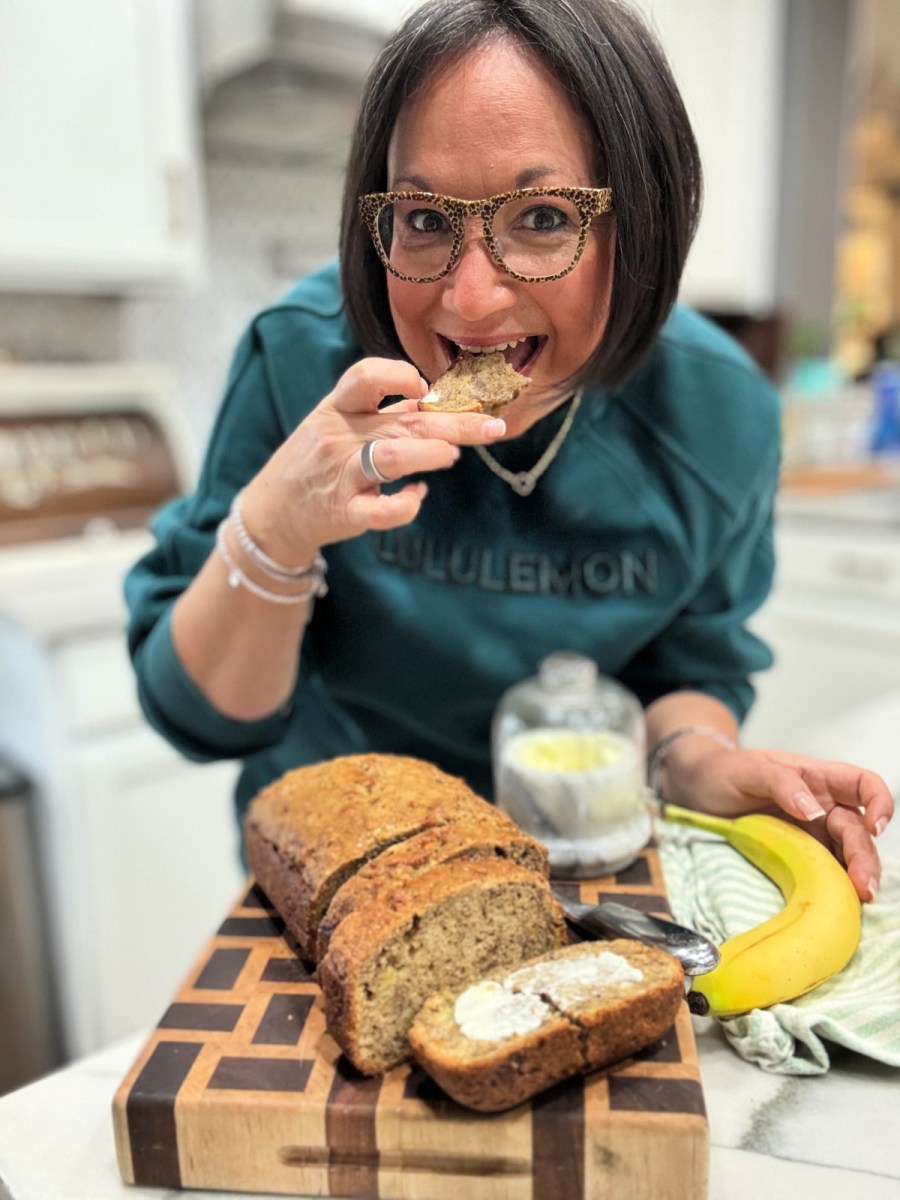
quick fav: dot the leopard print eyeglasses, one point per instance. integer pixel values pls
(534, 234)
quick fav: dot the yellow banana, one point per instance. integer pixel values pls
(810, 939)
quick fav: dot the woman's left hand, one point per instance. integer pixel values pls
(844, 806)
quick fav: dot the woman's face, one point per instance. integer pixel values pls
(491, 123)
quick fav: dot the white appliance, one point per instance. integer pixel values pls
(137, 848)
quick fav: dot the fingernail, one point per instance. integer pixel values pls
(880, 826)
(872, 888)
(494, 428)
(809, 807)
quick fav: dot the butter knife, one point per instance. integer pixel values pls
(696, 953)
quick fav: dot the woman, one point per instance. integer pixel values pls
(622, 508)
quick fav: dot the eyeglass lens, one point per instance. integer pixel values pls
(535, 235)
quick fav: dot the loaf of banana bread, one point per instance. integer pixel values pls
(442, 928)
(313, 828)
(505, 1037)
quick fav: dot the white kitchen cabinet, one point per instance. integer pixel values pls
(138, 848)
(159, 840)
(100, 186)
(728, 60)
(833, 622)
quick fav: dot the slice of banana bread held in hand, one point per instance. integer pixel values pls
(476, 383)
(442, 928)
(514, 1033)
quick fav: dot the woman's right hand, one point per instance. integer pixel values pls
(312, 491)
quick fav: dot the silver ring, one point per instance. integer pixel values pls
(367, 464)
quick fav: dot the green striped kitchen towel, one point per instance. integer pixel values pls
(716, 891)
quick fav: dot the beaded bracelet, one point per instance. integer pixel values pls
(315, 585)
(275, 570)
(658, 757)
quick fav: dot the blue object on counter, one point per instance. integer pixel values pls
(814, 378)
(886, 421)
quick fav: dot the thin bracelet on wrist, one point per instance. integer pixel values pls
(275, 570)
(315, 585)
(657, 758)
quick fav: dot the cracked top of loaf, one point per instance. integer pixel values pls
(312, 829)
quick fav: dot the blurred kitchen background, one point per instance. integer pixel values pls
(168, 167)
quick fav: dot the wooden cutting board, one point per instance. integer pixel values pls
(240, 1088)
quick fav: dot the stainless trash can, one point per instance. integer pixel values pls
(29, 1030)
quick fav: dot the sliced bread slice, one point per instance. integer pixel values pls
(445, 927)
(513, 1033)
(492, 836)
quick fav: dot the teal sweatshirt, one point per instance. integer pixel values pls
(645, 546)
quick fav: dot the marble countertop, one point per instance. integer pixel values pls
(833, 1136)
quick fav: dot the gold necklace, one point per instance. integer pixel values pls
(523, 483)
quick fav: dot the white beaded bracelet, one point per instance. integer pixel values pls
(658, 757)
(315, 587)
(275, 570)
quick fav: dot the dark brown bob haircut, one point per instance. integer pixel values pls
(614, 70)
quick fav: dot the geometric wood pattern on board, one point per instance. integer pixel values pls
(241, 1088)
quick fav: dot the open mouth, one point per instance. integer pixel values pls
(521, 353)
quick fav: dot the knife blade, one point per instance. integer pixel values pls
(697, 954)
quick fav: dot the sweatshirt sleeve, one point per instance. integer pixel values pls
(708, 647)
(170, 700)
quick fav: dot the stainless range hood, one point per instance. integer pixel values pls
(281, 82)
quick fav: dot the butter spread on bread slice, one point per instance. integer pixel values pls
(516, 1032)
